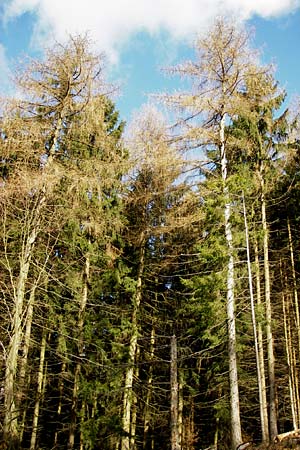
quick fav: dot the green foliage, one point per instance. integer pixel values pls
(104, 236)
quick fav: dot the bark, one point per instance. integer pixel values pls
(38, 393)
(190, 436)
(260, 375)
(134, 405)
(216, 434)
(288, 434)
(236, 433)
(289, 359)
(129, 375)
(174, 396)
(296, 387)
(269, 333)
(264, 406)
(180, 409)
(61, 392)
(11, 428)
(295, 291)
(23, 362)
(147, 412)
(11, 417)
(81, 438)
(80, 325)
(289, 349)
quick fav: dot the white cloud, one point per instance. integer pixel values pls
(112, 22)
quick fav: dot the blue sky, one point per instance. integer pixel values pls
(140, 37)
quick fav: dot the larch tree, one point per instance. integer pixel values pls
(219, 77)
(155, 167)
(261, 138)
(56, 91)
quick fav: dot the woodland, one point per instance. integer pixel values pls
(149, 284)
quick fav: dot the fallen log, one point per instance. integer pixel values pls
(244, 445)
(290, 434)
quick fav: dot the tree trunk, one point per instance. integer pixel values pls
(180, 409)
(270, 343)
(264, 406)
(190, 436)
(59, 408)
(147, 413)
(23, 362)
(80, 325)
(260, 373)
(11, 429)
(174, 396)
(134, 405)
(217, 425)
(81, 438)
(296, 313)
(128, 397)
(289, 358)
(38, 392)
(236, 433)
(11, 425)
(289, 348)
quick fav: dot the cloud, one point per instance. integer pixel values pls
(112, 23)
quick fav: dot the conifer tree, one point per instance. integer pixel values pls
(58, 142)
(219, 77)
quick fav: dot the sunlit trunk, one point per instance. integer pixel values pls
(11, 417)
(236, 433)
(147, 412)
(264, 406)
(180, 408)
(174, 396)
(260, 375)
(39, 391)
(270, 343)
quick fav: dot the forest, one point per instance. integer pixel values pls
(149, 278)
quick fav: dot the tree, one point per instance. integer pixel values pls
(219, 77)
(156, 167)
(63, 101)
(264, 136)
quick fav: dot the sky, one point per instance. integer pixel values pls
(141, 37)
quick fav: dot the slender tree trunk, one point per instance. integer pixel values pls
(81, 438)
(27, 336)
(291, 248)
(134, 405)
(190, 436)
(147, 413)
(80, 325)
(59, 408)
(289, 359)
(129, 375)
(295, 291)
(11, 415)
(217, 426)
(297, 399)
(288, 313)
(23, 362)
(270, 343)
(11, 428)
(180, 408)
(236, 432)
(264, 406)
(174, 396)
(39, 392)
(260, 375)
